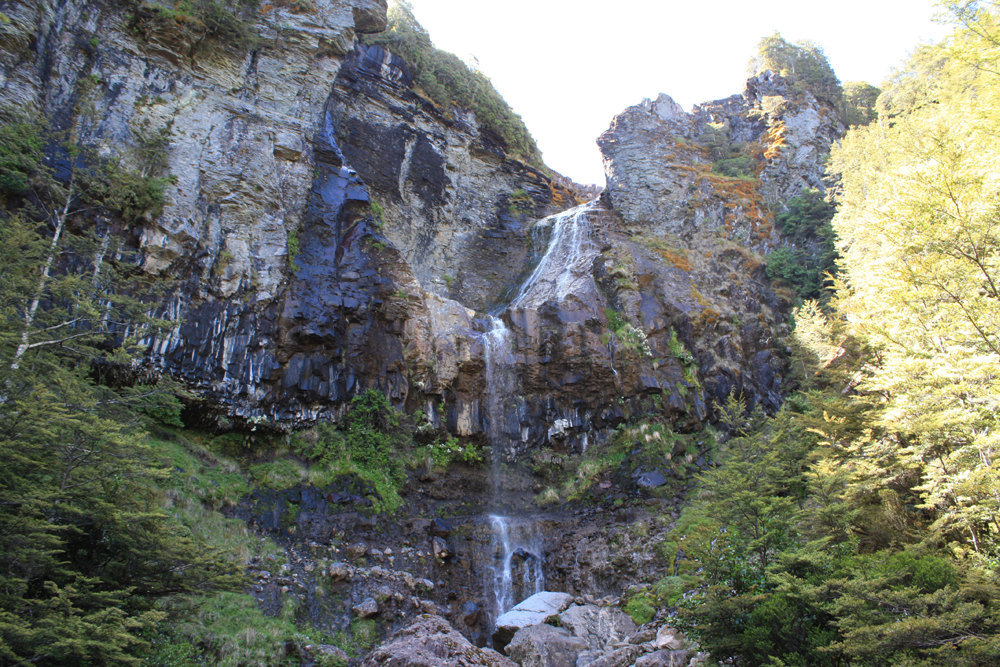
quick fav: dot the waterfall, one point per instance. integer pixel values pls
(566, 263)
(517, 548)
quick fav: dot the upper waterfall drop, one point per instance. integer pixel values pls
(565, 266)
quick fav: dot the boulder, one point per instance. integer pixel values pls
(441, 549)
(430, 641)
(599, 627)
(545, 646)
(533, 611)
(440, 528)
(651, 480)
(357, 550)
(368, 607)
(643, 636)
(339, 571)
(331, 655)
(663, 659)
(618, 658)
(670, 638)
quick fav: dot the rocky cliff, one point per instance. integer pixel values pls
(332, 230)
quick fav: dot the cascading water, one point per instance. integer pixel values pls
(566, 263)
(517, 547)
(517, 550)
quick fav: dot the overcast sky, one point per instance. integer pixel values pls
(568, 66)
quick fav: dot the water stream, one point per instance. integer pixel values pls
(517, 548)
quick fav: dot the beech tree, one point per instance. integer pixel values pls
(919, 237)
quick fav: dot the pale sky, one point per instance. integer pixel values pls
(569, 66)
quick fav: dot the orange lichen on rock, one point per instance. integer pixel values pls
(775, 141)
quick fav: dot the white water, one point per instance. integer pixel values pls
(565, 267)
(518, 557)
(517, 547)
(501, 389)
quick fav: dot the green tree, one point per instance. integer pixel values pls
(860, 102)
(85, 549)
(919, 238)
(802, 62)
(810, 264)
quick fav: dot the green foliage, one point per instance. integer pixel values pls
(860, 102)
(228, 630)
(520, 202)
(917, 220)
(365, 632)
(631, 338)
(728, 157)
(447, 80)
(20, 156)
(440, 454)
(877, 518)
(741, 166)
(85, 546)
(809, 266)
(227, 22)
(802, 62)
(640, 609)
(372, 442)
(377, 212)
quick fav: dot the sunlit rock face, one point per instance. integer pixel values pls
(699, 233)
(330, 230)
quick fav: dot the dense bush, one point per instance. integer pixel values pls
(447, 80)
(372, 441)
(805, 267)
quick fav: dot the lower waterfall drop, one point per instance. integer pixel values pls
(517, 555)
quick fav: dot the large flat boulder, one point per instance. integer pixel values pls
(533, 611)
(545, 646)
(430, 641)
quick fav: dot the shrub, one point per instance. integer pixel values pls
(293, 249)
(223, 19)
(371, 442)
(445, 79)
(806, 222)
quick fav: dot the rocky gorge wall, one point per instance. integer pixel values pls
(332, 230)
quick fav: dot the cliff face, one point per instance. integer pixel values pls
(331, 230)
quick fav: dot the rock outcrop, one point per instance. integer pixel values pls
(545, 646)
(330, 230)
(535, 610)
(430, 641)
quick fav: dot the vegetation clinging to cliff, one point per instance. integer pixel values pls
(447, 80)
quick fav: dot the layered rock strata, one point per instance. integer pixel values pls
(330, 230)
